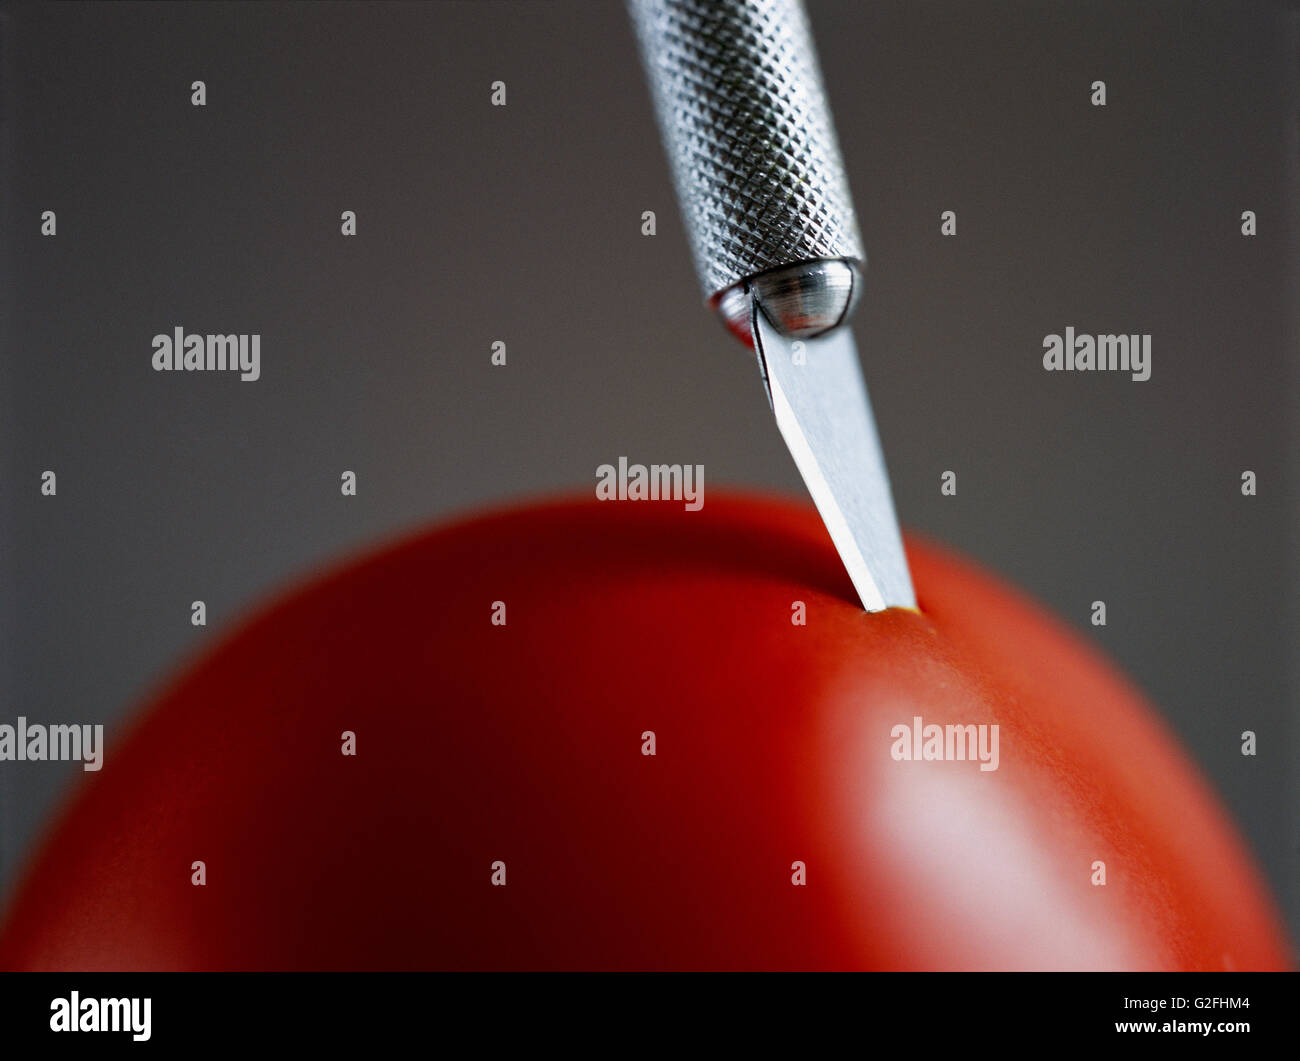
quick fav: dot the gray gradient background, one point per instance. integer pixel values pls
(478, 223)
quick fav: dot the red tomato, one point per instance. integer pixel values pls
(775, 743)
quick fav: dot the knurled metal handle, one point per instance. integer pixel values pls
(748, 133)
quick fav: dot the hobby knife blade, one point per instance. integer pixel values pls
(762, 188)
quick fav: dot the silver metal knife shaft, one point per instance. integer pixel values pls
(760, 180)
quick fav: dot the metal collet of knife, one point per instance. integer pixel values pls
(762, 188)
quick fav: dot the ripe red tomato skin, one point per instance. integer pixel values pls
(522, 743)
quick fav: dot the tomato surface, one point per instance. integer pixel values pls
(501, 810)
